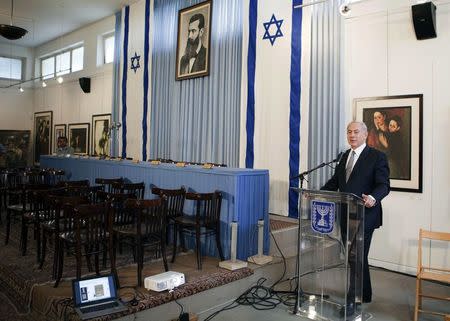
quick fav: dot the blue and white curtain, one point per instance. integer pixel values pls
(135, 79)
(270, 111)
(197, 119)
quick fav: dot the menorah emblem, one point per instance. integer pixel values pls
(322, 211)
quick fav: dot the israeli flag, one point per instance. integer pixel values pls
(135, 79)
(270, 119)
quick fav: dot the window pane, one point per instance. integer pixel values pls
(77, 59)
(48, 68)
(109, 49)
(63, 63)
(10, 68)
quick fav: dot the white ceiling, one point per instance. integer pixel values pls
(48, 19)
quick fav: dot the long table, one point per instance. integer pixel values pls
(245, 193)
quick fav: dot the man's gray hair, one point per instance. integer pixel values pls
(361, 124)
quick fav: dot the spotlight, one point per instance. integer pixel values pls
(345, 9)
(44, 84)
(60, 79)
(21, 89)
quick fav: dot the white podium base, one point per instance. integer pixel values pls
(232, 265)
(260, 259)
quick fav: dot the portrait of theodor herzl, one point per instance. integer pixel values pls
(193, 43)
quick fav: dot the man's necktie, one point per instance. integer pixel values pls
(348, 168)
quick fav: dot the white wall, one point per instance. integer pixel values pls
(67, 101)
(383, 58)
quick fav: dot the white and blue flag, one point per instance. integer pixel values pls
(135, 79)
(270, 119)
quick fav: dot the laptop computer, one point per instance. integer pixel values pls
(96, 296)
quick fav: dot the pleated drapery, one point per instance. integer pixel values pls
(326, 114)
(197, 120)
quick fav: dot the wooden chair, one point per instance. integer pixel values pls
(206, 221)
(146, 231)
(108, 183)
(175, 203)
(61, 222)
(136, 189)
(40, 211)
(90, 236)
(430, 273)
(20, 202)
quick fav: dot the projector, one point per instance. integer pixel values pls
(164, 281)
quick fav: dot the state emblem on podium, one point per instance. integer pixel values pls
(322, 216)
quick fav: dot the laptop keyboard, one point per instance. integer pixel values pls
(99, 307)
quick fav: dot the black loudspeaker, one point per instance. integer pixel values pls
(85, 84)
(424, 19)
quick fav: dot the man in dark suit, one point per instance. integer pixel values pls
(363, 171)
(194, 58)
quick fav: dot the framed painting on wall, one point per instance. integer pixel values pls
(58, 131)
(193, 41)
(394, 126)
(14, 148)
(42, 134)
(79, 138)
(101, 134)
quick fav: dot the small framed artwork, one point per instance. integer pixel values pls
(394, 126)
(193, 41)
(43, 123)
(79, 138)
(58, 131)
(14, 148)
(101, 134)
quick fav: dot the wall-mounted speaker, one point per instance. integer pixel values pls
(424, 20)
(85, 84)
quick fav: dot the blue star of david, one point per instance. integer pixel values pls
(135, 62)
(278, 33)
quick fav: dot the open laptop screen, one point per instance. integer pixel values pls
(96, 289)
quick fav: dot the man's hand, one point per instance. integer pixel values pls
(369, 200)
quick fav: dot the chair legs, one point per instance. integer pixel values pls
(418, 299)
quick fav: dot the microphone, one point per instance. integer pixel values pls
(338, 157)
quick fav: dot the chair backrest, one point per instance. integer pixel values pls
(79, 183)
(136, 189)
(107, 183)
(120, 215)
(175, 200)
(207, 208)
(149, 215)
(432, 236)
(92, 220)
(65, 207)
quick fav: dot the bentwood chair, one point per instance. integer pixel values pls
(427, 271)
(108, 183)
(205, 221)
(90, 237)
(146, 231)
(135, 189)
(175, 204)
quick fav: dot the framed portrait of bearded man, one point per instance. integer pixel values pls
(193, 41)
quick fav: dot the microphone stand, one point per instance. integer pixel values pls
(299, 290)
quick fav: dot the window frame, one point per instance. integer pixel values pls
(58, 53)
(105, 36)
(22, 67)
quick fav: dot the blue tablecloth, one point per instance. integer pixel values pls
(245, 193)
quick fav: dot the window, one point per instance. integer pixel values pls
(108, 45)
(77, 59)
(11, 68)
(48, 68)
(62, 63)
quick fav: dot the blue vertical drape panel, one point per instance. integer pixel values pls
(197, 119)
(326, 114)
